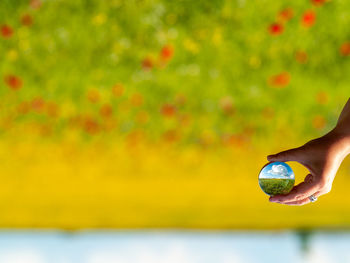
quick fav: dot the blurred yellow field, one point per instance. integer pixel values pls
(98, 185)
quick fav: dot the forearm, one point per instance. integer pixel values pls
(341, 132)
(343, 124)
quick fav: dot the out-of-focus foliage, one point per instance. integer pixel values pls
(160, 113)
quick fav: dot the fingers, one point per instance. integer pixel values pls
(303, 201)
(299, 202)
(299, 192)
(285, 156)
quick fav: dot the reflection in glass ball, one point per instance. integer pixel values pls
(276, 178)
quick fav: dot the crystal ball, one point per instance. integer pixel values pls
(276, 178)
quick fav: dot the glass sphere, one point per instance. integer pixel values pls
(276, 178)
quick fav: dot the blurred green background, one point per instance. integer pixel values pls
(142, 114)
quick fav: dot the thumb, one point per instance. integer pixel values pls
(285, 156)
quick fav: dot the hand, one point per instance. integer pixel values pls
(322, 157)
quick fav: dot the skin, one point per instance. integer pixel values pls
(322, 157)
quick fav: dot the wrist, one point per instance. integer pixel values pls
(341, 141)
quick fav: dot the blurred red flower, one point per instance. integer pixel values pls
(235, 140)
(45, 129)
(226, 104)
(167, 52)
(106, 110)
(52, 109)
(75, 121)
(345, 49)
(318, 2)
(35, 4)
(147, 63)
(93, 96)
(301, 56)
(23, 107)
(280, 80)
(6, 31)
(180, 99)
(322, 97)
(108, 124)
(184, 119)
(91, 126)
(134, 138)
(118, 90)
(26, 20)
(136, 99)
(319, 122)
(38, 104)
(168, 110)
(276, 29)
(309, 18)
(13, 82)
(142, 117)
(171, 136)
(286, 14)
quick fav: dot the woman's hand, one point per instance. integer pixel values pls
(322, 157)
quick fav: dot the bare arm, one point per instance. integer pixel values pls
(322, 157)
(343, 124)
